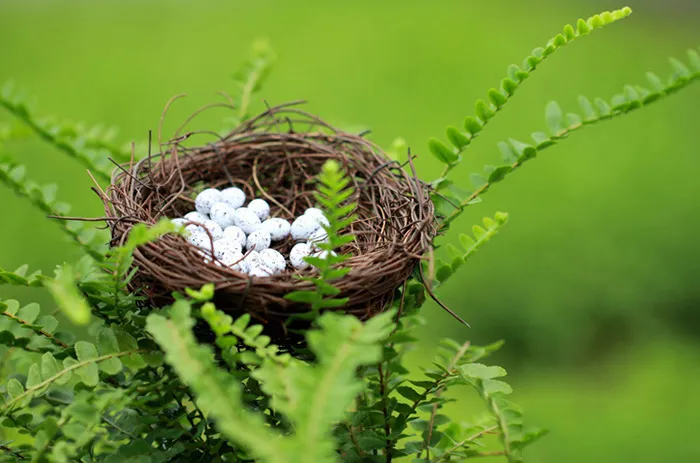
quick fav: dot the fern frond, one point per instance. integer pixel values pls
(85, 366)
(497, 98)
(560, 126)
(333, 192)
(12, 175)
(219, 394)
(470, 245)
(315, 397)
(249, 80)
(28, 317)
(85, 145)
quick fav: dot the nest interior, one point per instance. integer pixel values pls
(275, 156)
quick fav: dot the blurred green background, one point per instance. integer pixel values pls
(593, 284)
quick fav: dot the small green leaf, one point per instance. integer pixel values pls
(589, 113)
(14, 388)
(457, 138)
(499, 173)
(478, 232)
(33, 376)
(441, 151)
(480, 371)
(409, 393)
(466, 241)
(443, 273)
(472, 125)
(554, 117)
(497, 98)
(29, 312)
(509, 86)
(478, 180)
(484, 110)
(582, 27)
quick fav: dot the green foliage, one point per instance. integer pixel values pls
(248, 81)
(485, 110)
(91, 146)
(333, 193)
(141, 386)
(515, 153)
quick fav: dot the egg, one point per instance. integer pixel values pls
(214, 229)
(246, 220)
(199, 238)
(258, 240)
(206, 199)
(297, 254)
(195, 216)
(277, 228)
(229, 257)
(206, 255)
(324, 254)
(260, 207)
(260, 271)
(179, 223)
(303, 227)
(235, 233)
(252, 259)
(225, 245)
(318, 215)
(318, 237)
(222, 214)
(234, 197)
(273, 259)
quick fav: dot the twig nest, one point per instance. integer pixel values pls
(273, 157)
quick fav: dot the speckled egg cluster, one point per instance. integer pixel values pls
(239, 236)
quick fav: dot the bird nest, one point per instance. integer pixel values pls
(275, 156)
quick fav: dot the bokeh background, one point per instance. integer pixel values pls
(595, 282)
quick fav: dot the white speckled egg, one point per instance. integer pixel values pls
(260, 207)
(213, 228)
(303, 227)
(246, 220)
(258, 240)
(323, 254)
(277, 228)
(198, 237)
(297, 254)
(318, 237)
(224, 245)
(273, 259)
(229, 257)
(206, 199)
(222, 214)
(260, 271)
(195, 216)
(318, 215)
(206, 255)
(179, 223)
(252, 259)
(235, 233)
(234, 197)
(239, 264)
